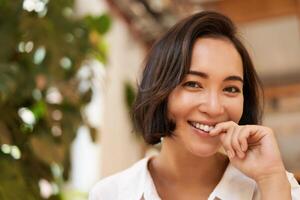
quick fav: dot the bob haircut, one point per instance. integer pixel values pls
(168, 62)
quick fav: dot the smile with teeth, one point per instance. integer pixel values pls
(202, 127)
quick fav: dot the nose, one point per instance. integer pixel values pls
(212, 105)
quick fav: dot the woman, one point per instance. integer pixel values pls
(199, 92)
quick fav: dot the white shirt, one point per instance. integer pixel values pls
(135, 183)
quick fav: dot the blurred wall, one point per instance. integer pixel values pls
(120, 146)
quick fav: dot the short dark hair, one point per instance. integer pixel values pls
(167, 63)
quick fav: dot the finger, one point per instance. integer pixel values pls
(243, 138)
(256, 134)
(226, 142)
(221, 128)
(235, 142)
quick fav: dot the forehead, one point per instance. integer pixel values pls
(216, 56)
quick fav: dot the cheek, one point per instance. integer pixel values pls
(235, 109)
(179, 105)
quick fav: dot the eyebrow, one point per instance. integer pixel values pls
(206, 76)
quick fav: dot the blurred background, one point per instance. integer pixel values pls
(68, 74)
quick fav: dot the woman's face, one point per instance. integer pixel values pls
(210, 93)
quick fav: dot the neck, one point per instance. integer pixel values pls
(176, 165)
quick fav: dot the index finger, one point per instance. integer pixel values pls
(222, 127)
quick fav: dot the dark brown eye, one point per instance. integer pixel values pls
(232, 90)
(192, 84)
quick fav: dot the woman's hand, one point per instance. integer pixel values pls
(251, 148)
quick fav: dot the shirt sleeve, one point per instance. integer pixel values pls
(295, 187)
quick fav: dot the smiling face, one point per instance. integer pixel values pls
(210, 93)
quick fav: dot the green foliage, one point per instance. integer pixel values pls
(101, 24)
(130, 94)
(40, 103)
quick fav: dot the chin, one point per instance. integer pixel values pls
(204, 150)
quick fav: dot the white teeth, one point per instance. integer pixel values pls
(206, 128)
(203, 127)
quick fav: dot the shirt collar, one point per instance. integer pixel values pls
(150, 192)
(234, 185)
(132, 185)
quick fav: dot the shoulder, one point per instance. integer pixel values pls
(111, 187)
